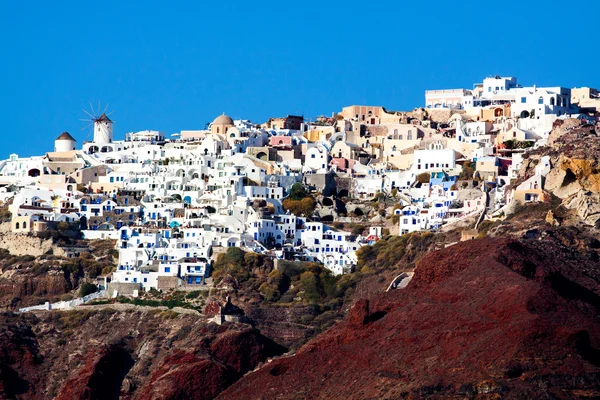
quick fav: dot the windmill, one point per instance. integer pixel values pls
(102, 130)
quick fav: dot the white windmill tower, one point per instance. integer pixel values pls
(103, 126)
(103, 130)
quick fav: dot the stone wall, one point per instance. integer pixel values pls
(442, 115)
(122, 288)
(324, 182)
(167, 282)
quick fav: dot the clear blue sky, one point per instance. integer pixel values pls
(176, 65)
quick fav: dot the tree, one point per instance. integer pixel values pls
(63, 226)
(269, 292)
(310, 283)
(358, 229)
(305, 206)
(298, 192)
(423, 177)
(87, 288)
(467, 171)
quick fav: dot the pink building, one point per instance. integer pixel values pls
(342, 164)
(280, 141)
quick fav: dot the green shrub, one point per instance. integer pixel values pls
(193, 295)
(87, 288)
(298, 192)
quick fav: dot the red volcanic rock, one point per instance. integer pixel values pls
(358, 314)
(18, 360)
(100, 377)
(243, 351)
(130, 355)
(489, 317)
(187, 376)
(212, 308)
(203, 376)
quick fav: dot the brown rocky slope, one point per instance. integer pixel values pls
(109, 354)
(490, 317)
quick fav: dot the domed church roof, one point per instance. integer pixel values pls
(223, 120)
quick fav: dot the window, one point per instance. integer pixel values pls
(541, 100)
(312, 156)
(167, 269)
(523, 99)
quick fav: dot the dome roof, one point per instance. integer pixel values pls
(65, 136)
(223, 120)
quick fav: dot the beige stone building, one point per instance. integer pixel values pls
(27, 224)
(370, 115)
(89, 175)
(293, 122)
(586, 98)
(63, 162)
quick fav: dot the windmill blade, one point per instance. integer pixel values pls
(91, 116)
(98, 107)
(84, 119)
(109, 113)
(92, 107)
(88, 125)
(105, 108)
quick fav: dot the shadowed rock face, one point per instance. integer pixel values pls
(102, 375)
(489, 317)
(128, 355)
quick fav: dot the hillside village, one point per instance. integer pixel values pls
(289, 188)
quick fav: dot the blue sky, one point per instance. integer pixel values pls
(176, 67)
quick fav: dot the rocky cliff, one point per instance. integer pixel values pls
(26, 244)
(132, 355)
(488, 318)
(573, 149)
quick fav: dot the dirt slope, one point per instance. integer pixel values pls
(485, 318)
